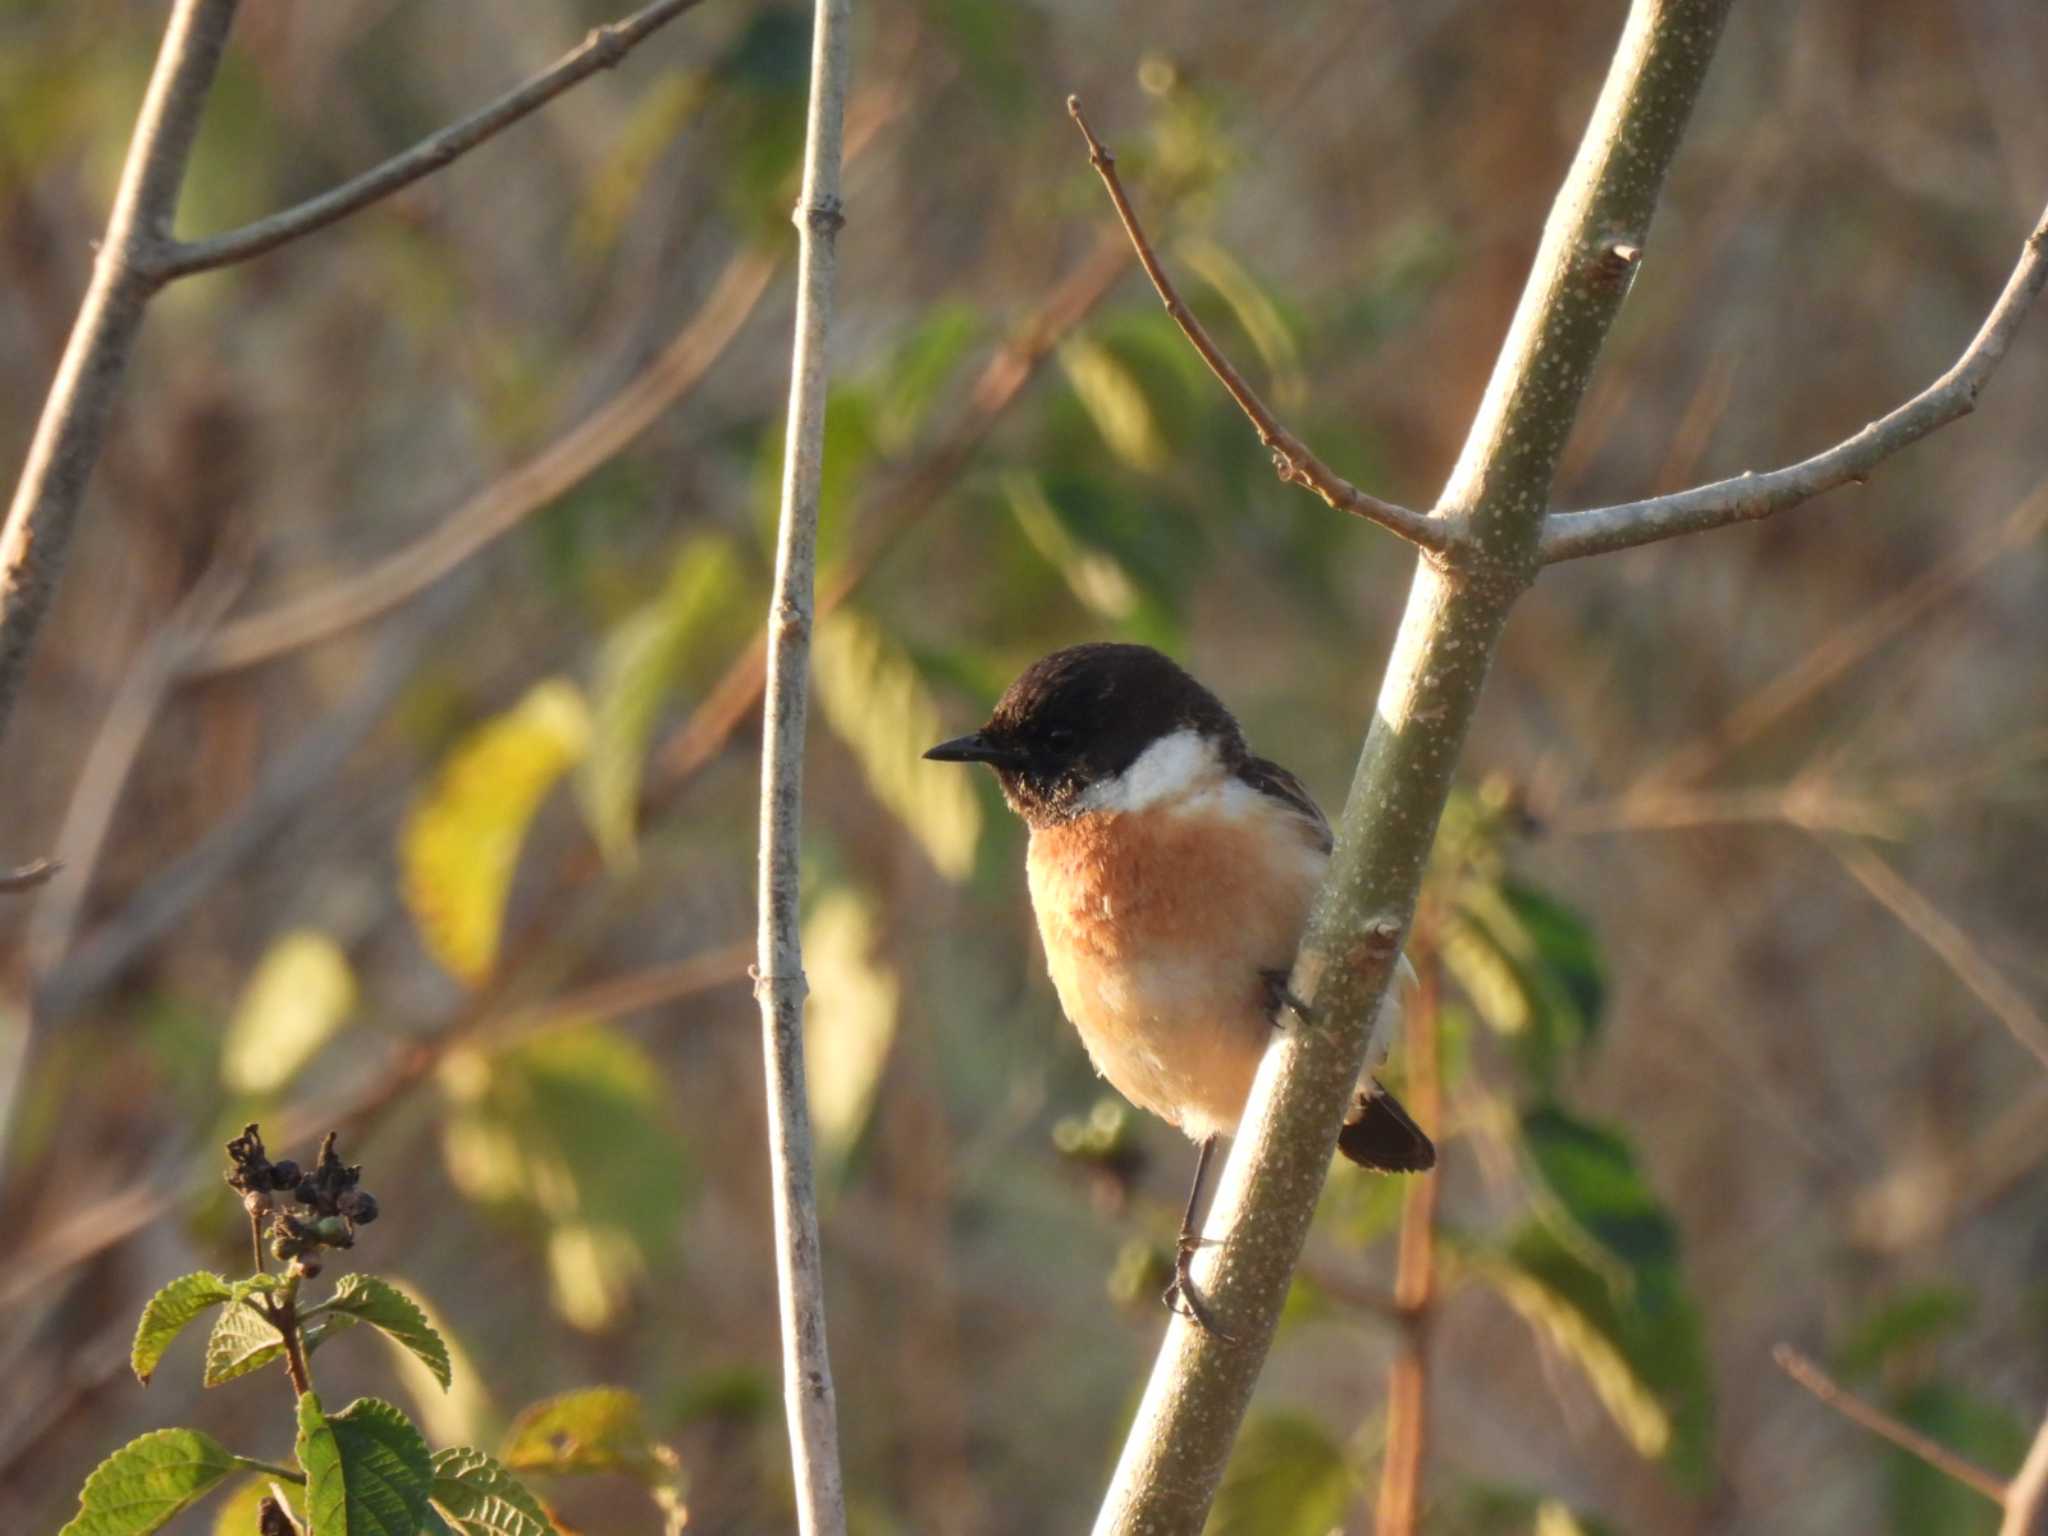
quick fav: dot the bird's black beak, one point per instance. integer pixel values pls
(976, 748)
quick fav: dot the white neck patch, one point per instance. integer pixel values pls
(1173, 766)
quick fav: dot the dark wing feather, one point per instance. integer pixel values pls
(1378, 1134)
(1270, 779)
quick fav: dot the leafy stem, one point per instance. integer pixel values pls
(269, 1469)
(284, 1316)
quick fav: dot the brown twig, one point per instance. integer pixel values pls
(27, 877)
(1748, 497)
(1292, 460)
(1878, 1422)
(1950, 943)
(1400, 1495)
(508, 501)
(602, 49)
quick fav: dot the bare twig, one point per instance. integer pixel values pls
(1955, 948)
(1400, 1495)
(1292, 460)
(779, 978)
(74, 420)
(27, 877)
(1878, 1422)
(1748, 497)
(602, 49)
(1181, 1437)
(2026, 1496)
(513, 497)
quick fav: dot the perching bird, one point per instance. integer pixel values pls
(1171, 873)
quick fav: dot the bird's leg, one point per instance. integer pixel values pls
(1180, 1295)
(1278, 996)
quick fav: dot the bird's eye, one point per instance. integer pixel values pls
(1060, 736)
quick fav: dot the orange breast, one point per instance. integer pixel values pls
(1156, 925)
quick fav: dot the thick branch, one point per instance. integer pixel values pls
(1880, 1423)
(1748, 497)
(1201, 1385)
(779, 978)
(1292, 460)
(602, 49)
(74, 420)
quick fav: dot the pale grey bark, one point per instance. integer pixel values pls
(74, 420)
(1201, 1385)
(779, 977)
(1748, 497)
(2026, 1497)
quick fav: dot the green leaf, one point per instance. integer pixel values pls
(385, 1307)
(571, 1129)
(1923, 1499)
(1097, 578)
(1635, 1337)
(850, 1023)
(920, 369)
(483, 1499)
(243, 1340)
(637, 668)
(1531, 968)
(300, 993)
(1570, 953)
(594, 1429)
(460, 843)
(1914, 1317)
(1287, 1477)
(1256, 313)
(367, 1469)
(1116, 402)
(1592, 1173)
(877, 702)
(167, 1314)
(144, 1485)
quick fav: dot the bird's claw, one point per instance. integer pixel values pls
(1180, 1295)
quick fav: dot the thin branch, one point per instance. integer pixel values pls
(67, 442)
(2026, 1496)
(1748, 497)
(1292, 460)
(1955, 948)
(27, 877)
(602, 49)
(1401, 1469)
(1878, 1422)
(779, 978)
(513, 497)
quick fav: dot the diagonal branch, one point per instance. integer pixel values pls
(1749, 497)
(1292, 460)
(1882, 1424)
(602, 49)
(28, 876)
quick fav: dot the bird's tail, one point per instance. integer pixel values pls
(1378, 1134)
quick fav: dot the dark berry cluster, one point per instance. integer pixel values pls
(326, 1206)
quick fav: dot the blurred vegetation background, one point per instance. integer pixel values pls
(1741, 920)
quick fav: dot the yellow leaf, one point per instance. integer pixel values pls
(1095, 578)
(850, 1022)
(299, 994)
(461, 841)
(877, 703)
(1115, 402)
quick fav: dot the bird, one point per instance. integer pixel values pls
(1170, 871)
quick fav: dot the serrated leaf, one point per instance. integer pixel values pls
(461, 840)
(300, 993)
(1287, 1477)
(385, 1307)
(367, 1469)
(850, 1021)
(167, 1314)
(242, 1341)
(637, 668)
(484, 1499)
(1115, 402)
(594, 1429)
(876, 701)
(145, 1484)
(570, 1128)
